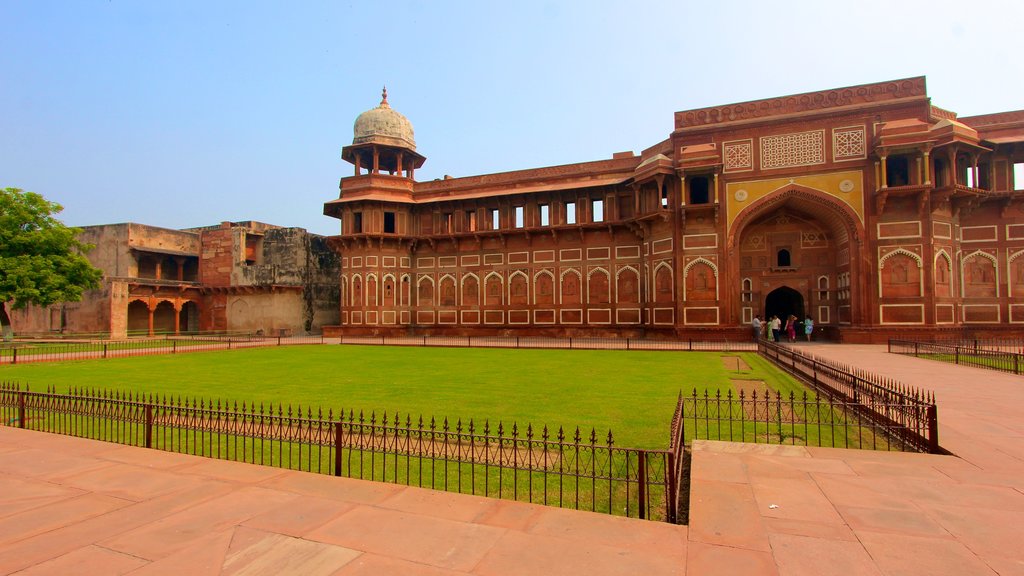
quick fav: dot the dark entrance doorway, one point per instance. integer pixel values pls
(782, 302)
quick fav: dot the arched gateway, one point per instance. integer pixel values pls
(793, 256)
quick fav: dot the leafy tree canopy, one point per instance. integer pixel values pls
(41, 261)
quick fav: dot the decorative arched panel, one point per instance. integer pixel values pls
(943, 272)
(597, 287)
(388, 291)
(518, 289)
(470, 290)
(446, 290)
(544, 287)
(627, 285)
(570, 287)
(493, 287)
(663, 284)
(979, 276)
(900, 275)
(425, 291)
(700, 279)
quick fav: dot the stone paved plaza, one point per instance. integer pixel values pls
(76, 506)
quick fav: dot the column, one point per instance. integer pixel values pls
(159, 268)
(151, 307)
(376, 161)
(181, 268)
(716, 187)
(177, 316)
(682, 189)
(927, 169)
(883, 175)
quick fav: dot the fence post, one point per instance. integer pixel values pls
(517, 342)
(933, 429)
(691, 344)
(278, 340)
(104, 349)
(174, 346)
(149, 425)
(956, 354)
(1016, 364)
(21, 409)
(337, 448)
(641, 464)
(14, 357)
(916, 348)
(627, 343)
(672, 502)
(229, 343)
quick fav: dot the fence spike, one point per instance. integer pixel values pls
(610, 439)
(593, 436)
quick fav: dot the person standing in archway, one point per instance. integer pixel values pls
(808, 328)
(791, 328)
(756, 327)
(776, 327)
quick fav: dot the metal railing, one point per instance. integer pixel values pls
(542, 466)
(1004, 355)
(20, 352)
(799, 420)
(908, 416)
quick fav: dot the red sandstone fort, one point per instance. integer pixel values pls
(867, 208)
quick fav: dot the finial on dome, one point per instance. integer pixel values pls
(384, 98)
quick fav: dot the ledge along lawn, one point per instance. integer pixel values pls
(633, 393)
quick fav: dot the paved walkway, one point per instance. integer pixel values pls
(794, 510)
(77, 506)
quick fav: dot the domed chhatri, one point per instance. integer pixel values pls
(383, 125)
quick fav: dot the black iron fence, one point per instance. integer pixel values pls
(907, 416)
(22, 351)
(802, 420)
(1005, 355)
(557, 468)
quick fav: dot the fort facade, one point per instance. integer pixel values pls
(867, 208)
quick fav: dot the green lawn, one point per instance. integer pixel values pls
(632, 393)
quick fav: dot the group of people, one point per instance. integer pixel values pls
(772, 328)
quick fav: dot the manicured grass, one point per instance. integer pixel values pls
(632, 393)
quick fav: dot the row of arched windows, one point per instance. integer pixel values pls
(570, 286)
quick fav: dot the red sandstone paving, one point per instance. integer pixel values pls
(298, 517)
(707, 559)
(837, 511)
(374, 565)
(429, 540)
(87, 560)
(903, 555)
(519, 554)
(725, 514)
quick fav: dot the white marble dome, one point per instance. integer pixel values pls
(383, 125)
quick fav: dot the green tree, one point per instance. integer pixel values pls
(41, 260)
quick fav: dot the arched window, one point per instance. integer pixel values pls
(782, 258)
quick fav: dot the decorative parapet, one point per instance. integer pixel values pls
(811, 101)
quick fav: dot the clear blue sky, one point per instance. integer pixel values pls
(186, 113)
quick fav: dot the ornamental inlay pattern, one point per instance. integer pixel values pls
(798, 149)
(848, 143)
(738, 156)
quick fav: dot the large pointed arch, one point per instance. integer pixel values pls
(844, 226)
(826, 207)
